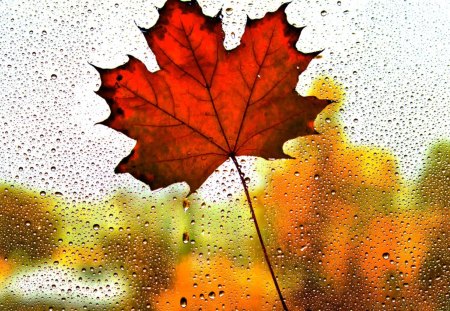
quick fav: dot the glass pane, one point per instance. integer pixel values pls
(224, 155)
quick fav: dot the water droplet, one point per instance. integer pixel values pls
(185, 237)
(212, 295)
(386, 255)
(183, 302)
(96, 227)
(186, 204)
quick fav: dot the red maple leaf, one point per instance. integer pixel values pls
(207, 104)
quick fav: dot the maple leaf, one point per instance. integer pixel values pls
(206, 105)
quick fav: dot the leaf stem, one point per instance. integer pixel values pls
(261, 241)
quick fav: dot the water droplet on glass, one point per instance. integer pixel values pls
(185, 237)
(186, 204)
(183, 302)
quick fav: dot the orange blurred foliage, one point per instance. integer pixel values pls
(344, 214)
(218, 284)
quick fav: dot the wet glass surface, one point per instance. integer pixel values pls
(355, 218)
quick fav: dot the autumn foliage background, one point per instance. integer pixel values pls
(344, 229)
